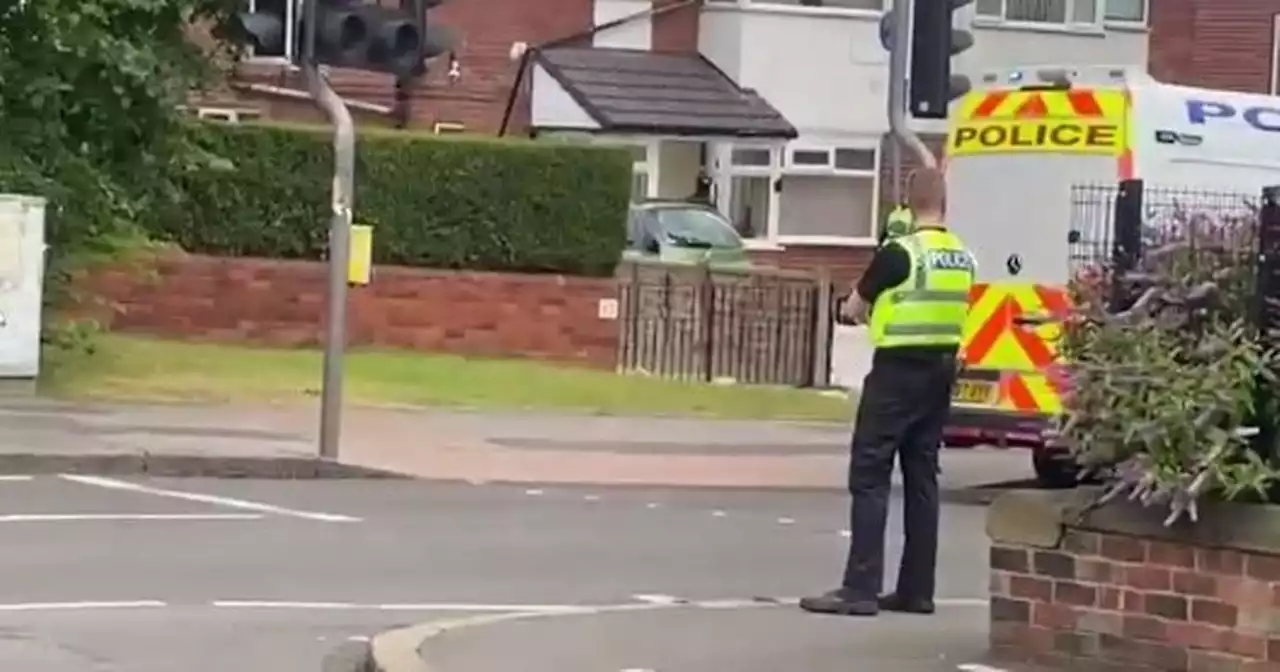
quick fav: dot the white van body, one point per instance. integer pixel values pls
(1033, 160)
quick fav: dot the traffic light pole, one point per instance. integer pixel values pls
(899, 52)
(344, 163)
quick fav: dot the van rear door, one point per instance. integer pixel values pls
(1013, 155)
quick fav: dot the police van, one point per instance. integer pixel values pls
(1016, 145)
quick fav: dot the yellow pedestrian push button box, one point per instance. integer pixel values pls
(360, 263)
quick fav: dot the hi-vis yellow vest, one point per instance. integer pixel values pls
(929, 307)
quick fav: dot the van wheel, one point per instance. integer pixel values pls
(1055, 471)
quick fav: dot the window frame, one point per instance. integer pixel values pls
(830, 167)
(873, 217)
(770, 172)
(1068, 23)
(293, 18)
(871, 173)
(1144, 20)
(795, 7)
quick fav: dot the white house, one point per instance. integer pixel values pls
(819, 63)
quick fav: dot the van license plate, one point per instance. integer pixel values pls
(974, 392)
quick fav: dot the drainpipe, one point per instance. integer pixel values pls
(569, 39)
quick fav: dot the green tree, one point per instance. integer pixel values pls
(89, 118)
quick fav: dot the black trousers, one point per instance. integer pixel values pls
(902, 412)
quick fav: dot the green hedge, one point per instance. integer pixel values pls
(440, 202)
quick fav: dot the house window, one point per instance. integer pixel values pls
(828, 195)
(866, 5)
(750, 196)
(1041, 11)
(827, 207)
(287, 8)
(810, 157)
(839, 159)
(855, 159)
(1126, 11)
(749, 204)
(753, 157)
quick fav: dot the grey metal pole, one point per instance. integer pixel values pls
(344, 155)
(895, 156)
(899, 52)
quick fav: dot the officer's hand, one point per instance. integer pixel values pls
(853, 310)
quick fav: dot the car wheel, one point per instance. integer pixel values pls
(1055, 470)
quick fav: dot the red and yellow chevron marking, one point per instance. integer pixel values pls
(1074, 121)
(1037, 105)
(1026, 355)
(1072, 104)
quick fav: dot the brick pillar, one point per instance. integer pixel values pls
(1119, 591)
(676, 31)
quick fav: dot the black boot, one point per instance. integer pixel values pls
(836, 603)
(905, 605)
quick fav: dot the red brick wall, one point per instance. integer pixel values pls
(282, 303)
(1220, 44)
(1117, 602)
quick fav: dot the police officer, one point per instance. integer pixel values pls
(917, 287)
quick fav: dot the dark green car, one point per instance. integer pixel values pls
(682, 232)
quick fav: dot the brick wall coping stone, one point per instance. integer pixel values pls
(1040, 519)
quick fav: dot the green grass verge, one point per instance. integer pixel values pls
(134, 369)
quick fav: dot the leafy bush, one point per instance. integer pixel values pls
(1164, 394)
(90, 118)
(450, 203)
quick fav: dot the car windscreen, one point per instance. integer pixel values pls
(695, 227)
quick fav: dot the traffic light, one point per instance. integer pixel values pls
(934, 42)
(350, 34)
(264, 29)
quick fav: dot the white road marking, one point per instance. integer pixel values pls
(978, 667)
(659, 599)
(75, 606)
(77, 517)
(735, 604)
(358, 638)
(591, 498)
(651, 505)
(424, 606)
(846, 533)
(535, 492)
(230, 502)
(719, 514)
(15, 479)
(786, 521)
(963, 602)
(405, 643)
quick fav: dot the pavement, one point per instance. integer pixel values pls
(268, 442)
(148, 574)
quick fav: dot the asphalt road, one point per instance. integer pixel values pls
(159, 575)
